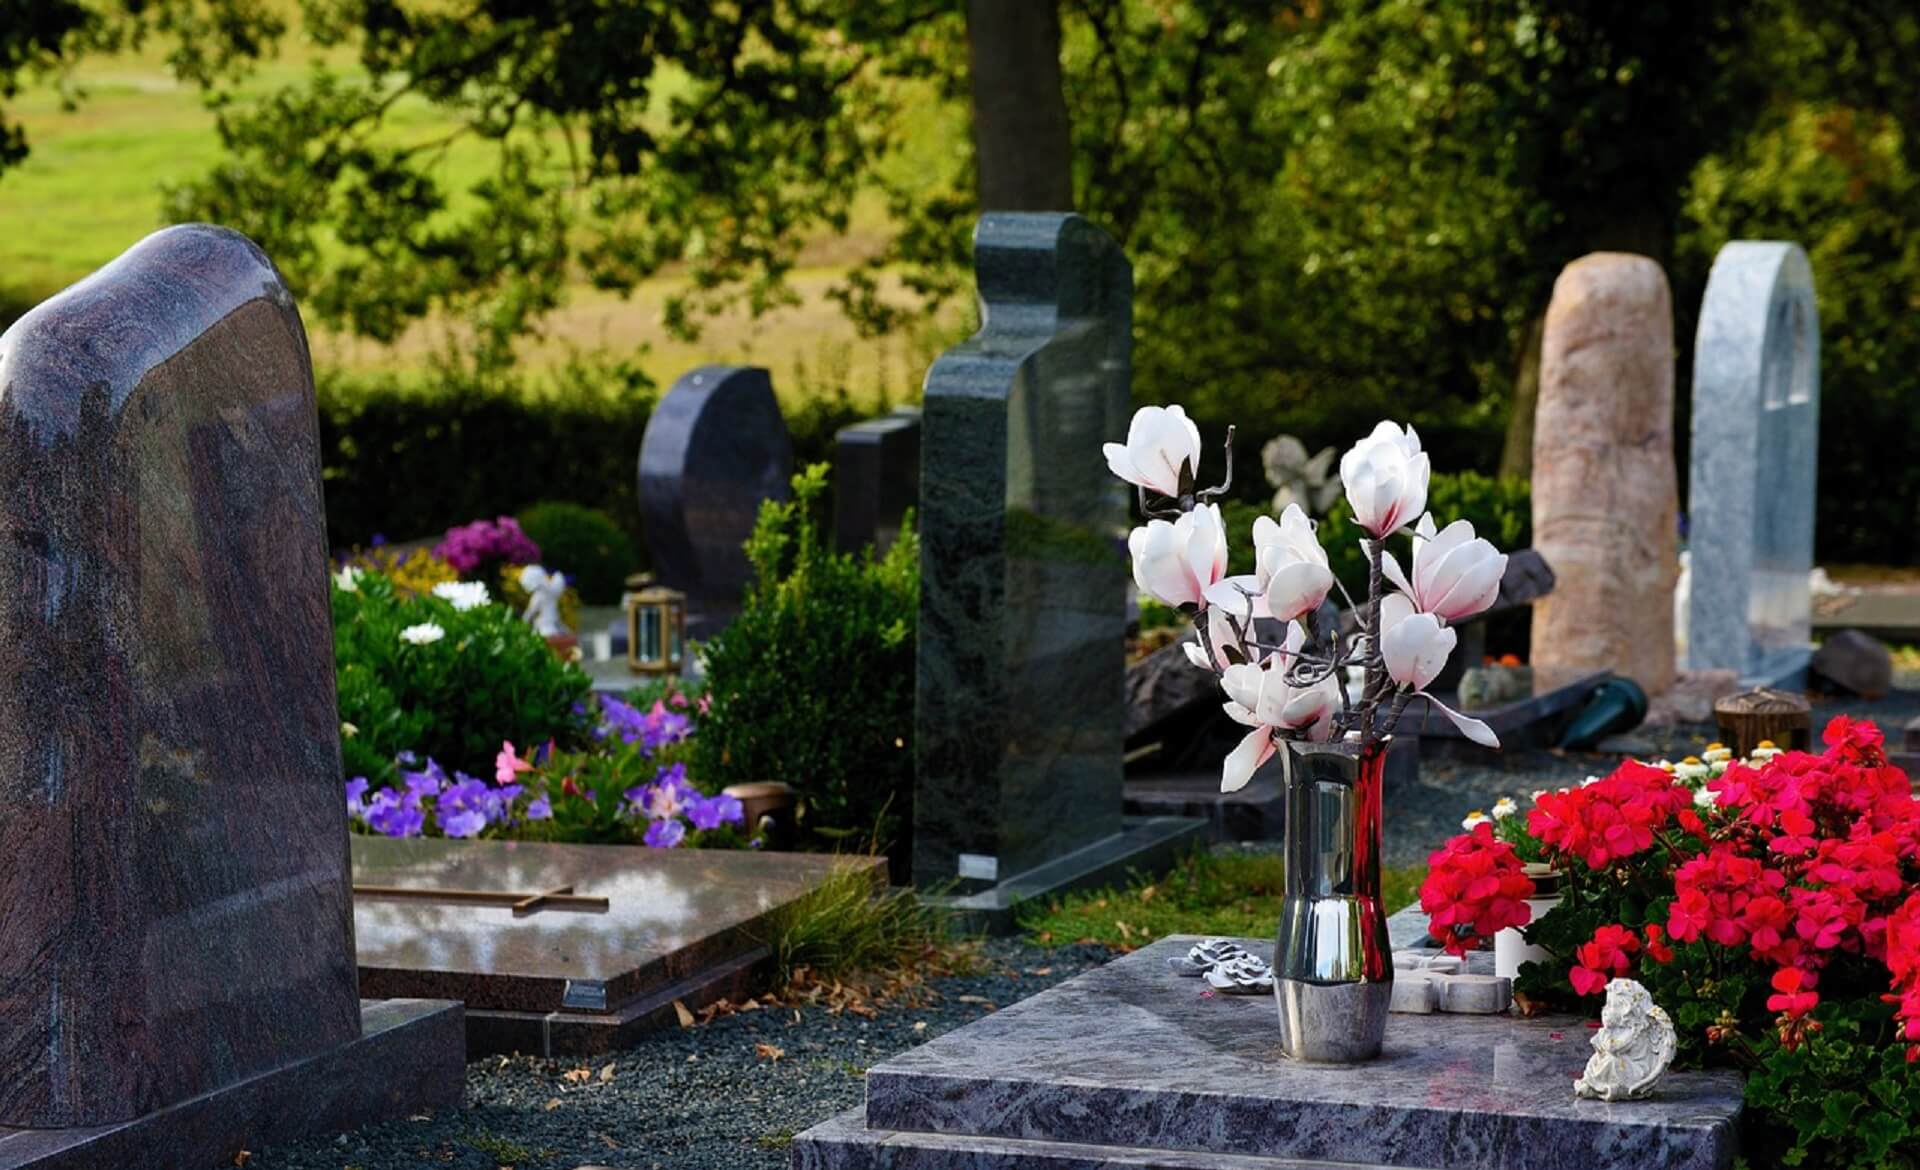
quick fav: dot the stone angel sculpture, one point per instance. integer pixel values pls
(1632, 1049)
(543, 600)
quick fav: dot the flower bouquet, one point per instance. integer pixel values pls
(1283, 661)
(1771, 905)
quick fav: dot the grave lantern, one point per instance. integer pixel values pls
(656, 627)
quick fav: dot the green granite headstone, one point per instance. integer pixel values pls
(1020, 710)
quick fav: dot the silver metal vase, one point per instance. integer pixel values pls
(1332, 961)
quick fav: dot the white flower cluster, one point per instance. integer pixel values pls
(1692, 771)
(424, 634)
(464, 595)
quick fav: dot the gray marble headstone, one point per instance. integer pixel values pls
(715, 447)
(876, 479)
(1020, 713)
(1756, 430)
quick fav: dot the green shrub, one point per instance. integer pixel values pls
(585, 544)
(813, 683)
(849, 924)
(488, 678)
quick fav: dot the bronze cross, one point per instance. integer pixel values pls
(523, 904)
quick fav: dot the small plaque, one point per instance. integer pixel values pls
(980, 866)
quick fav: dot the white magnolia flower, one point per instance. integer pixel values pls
(464, 595)
(1220, 634)
(1177, 561)
(1385, 475)
(1160, 442)
(1261, 698)
(1455, 573)
(1476, 817)
(1414, 647)
(424, 634)
(1291, 577)
(1505, 807)
(348, 578)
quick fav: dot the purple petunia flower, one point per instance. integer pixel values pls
(467, 807)
(665, 834)
(396, 814)
(356, 789)
(540, 808)
(714, 811)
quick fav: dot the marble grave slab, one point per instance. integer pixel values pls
(1131, 1065)
(685, 924)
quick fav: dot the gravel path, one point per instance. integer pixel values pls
(703, 1098)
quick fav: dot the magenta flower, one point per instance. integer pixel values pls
(508, 764)
(487, 542)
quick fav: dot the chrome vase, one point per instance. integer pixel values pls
(1332, 961)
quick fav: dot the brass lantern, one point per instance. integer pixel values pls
(656, 627)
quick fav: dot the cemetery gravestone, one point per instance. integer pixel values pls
(176, 947)
(876, 479)
(1756, 431)
(714, 448)
(1020, 717)
(1604, 498)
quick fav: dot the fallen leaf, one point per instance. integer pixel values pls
(577, 1076)
(606, 1074)
(982, 1000)
(243, 1157)
(552, 1104)
(766, 1051)
(686, 1017)
(611, 1144)
(1126, 932)
(1040, 971)
(1147, 894)
(919, 1025)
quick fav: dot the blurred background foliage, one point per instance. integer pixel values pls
(1337, 210)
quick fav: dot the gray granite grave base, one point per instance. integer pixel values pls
(1535, 721)
(1257, 812)
(408, 1058)
(1130, 1065)
(1144, 845)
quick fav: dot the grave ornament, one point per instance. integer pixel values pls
(1632, 1049)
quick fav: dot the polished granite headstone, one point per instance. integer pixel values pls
(175, 927)
(1131, 1065)
(1020, 712)
(680, 924)
(876, 479)
(1756, 436)
(715, 447)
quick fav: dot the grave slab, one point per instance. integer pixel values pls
(1134, 1064)
(406, 1059)
(685, 924)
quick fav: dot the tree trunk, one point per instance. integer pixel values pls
(1021, 144)
(1516, 458)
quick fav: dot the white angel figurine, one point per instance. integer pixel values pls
(543, 600)
(1632, 1049)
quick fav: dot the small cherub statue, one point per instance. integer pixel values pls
(1632, 1049)
(543, 600)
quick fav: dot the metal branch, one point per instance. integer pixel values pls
(1213, 493)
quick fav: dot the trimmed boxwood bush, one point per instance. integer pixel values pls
(585, 544)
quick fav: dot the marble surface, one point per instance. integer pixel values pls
(1130, 1055)
(1756, 436)
(405, 1059)
(715, 446)
(876, 479)
(175, 852)
(672, 915)
(1019, 716)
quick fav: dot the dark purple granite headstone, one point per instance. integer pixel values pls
(174, 905)
(876, 479)
(715, 447)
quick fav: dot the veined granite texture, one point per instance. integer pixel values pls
(1020, 715)
(174, 913)
(876, 479)
(674, 915)
(406, 1058)
(1756, 438)
(715, 446)
(1130, 1055)
(1604, 493)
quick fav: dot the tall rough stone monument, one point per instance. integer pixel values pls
(177, 971)
(1020, 713)
(1605, 502)
(714, 448)
(1756, 437)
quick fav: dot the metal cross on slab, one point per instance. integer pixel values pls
(522, 904)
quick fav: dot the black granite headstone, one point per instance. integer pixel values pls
(876, 479)
(715, 447)
(1020, 712)
(175, 917)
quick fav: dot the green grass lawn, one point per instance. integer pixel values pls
(1234, 894)
(108, 142)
